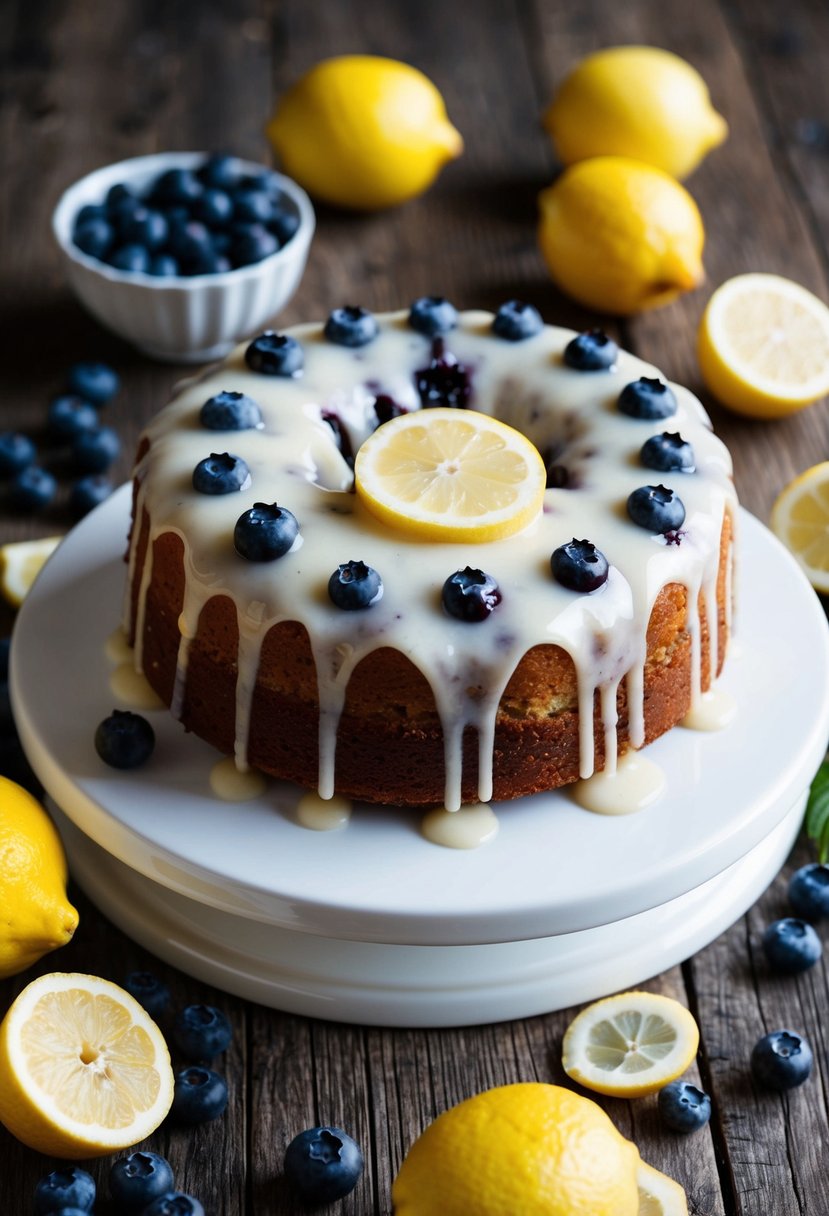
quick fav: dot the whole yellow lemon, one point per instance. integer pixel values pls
(636, 101)
(534, 1149)
(620, 236)
(36, 916)
(363, 132)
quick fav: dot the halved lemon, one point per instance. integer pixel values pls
(83, 1068)
(763, 346)
(20, 563)
(451, 475)
(659, 1195)
(800, 518)
(630, 1045)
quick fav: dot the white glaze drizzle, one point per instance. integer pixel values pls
(295, 462)
(132, 688)
(467, 828)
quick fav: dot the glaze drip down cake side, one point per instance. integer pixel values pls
(403, 701)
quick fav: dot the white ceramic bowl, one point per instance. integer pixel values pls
(183, 319)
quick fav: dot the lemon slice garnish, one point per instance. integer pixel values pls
(630, 1045)
(83, 1068)
(659, 1195)
(451, 475)
(800, 518)
(20, 563)
(763, 346)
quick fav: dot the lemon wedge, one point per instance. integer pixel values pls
(20, 563)
(763, 346)
(84, 1070)
(630, 1045)
(451, 475)
(659, 1195)
(800, 518)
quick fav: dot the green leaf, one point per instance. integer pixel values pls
(817, 811)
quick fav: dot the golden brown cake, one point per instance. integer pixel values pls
(401, 703)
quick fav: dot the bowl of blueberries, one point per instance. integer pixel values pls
(184, 253)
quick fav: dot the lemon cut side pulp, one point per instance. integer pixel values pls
(83, 1068)
(800, 518)
(451, 475)
(630, 1045)
(20, 563)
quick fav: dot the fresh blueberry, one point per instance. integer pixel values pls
(781, 1060)
(202, 1032)
(219, 172)
(648, 398)
(145, 227)
(88, 492)
(579, 566)
(163, 266)
(209, 261)
(591, 351)
(351, 326)
(135, 1181)
(809, 891)
(252, 245)
(323, 1164)
(445, 382)
(221, 473)
(433, 315)
(32, 489)
(253, 206)
(133, 258)
(354, 585)
(120, 193)
(791, 945)
(69, 1187)
(656, 508)
(386, 408)
(174, 1203)
(284, 224)
(70, 416)
(470, 595)
(265, 532)
(124, 739)
(94, 451)
(150, 992)
(273, 354)
(683, 1107)
(190, 242)
(667, 453)
(177, 186)
(229, 411)
(90, 211)
(95, 382)
(199, 1095)
(17, 452)
(95, 238)
(214, 208)
(516, 321)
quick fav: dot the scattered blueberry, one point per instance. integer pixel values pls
(252, 244)
(791, 945)
(87, 493)
(667, 453)
(145, 227)
(273, 354)
(135, 1181)
(809, 891)
(648, 398)
(95, 238)
(591, 351)
(265, 532)
(433, 315)
(470, 595)
(32, 489)
(163, 265)
(17, 452)
(214, 208)
(781, 1060)
(150, 992)
(220, 172)
(70, 415)
(323, 1164)
(95, 382)
(174, 1203)
(351, 326)
(445, 382)
(683, 1107)
(199, 1095)
(94, 451)
(202, 1032)
(133, 258)
(220, 473)
(516, 321)
(354, 585)
(69, 1187)
(656, 508)
(228, 411)
(124, 740)
(579, 566)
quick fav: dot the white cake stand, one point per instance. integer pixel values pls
(374, 924)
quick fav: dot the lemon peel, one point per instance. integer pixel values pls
(659, 1195)
(20, 563)
(800, 519)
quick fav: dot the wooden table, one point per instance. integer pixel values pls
(86, 84)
